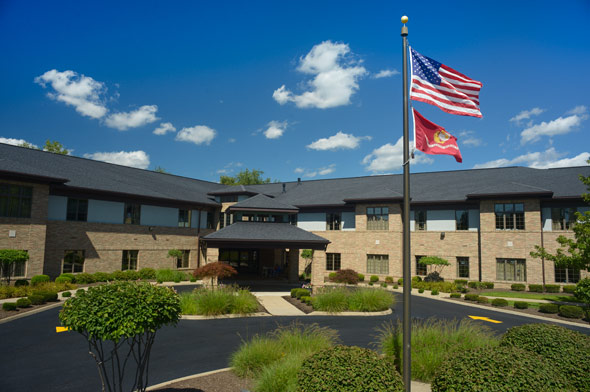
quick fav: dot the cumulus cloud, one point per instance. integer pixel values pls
(322, 171)
(385, 73)
(16, 142)
(299, 170)
(579, 110)
(526, 114)
(164, 128)
(138, 159)
(389, 157)
(136, 118)
(230, 168)
(335, 77)
(275, 129)
(81, 92)
(467, 138)
(559, 126)
(339, 140)
(539, 160)
(199, 134)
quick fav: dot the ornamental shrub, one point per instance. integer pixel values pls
(498, 370)
(23, 302)
(434, 292)
(455, 295)
(536, 288)
(518, 287)
(488, 285)
(48, 295)
(420, 291)
(471, 297)
(80, 292)
(101, 277)
(37, 279)
(85, 278)
(361, 277)
(571, 311)
(332, 276)
(298, 293)
(474, 285)
(306, 299)
(66, 294)
(389, 279)
(68, 275)
(566, 350)
(21, 282)
(371, 283)
(483, 300)
(213, 271)
(521, 305)
(460, 281)
(400, 281)
(549, 308)
(9, 306)
(345, 368)
(36, 299)
(552, 288)
(433, 277)
(384, 284)
(374, 278)
(347, 276)
(582, 292)
(569, 288)
(147, 274)
(416, 279)
(63, 279)
(500, 302)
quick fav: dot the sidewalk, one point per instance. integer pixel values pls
(276, 305)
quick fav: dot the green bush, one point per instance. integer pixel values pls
(567, 351)
(332, 276)
(147, 274)
(374, 278)
(226, 300)
(344, 369)
(23, 302)
(389, 279)
(536, 288)
(434, 292)
(518, 287)
(483, 300)
(361, 277)
(280, 376)
(36, 299)
(48, 295)
(66, 294)
(298, 293)
(85, 278)
(101, 277)
(9, 306)
(474, 285)
(63, 279)
(169, 275)
(500, 302)
(306, 299)
(68, 275)
(331, 300)
(464, 290)
(498, 370)
(395, 286)
(80, 292)
(571, 311)
(460, 281)
(370, 300)
(416, 279)
(488, 285)
(37, 279)
(552, 288)
(521, 305)
(21, 282)
(471, 297)
(455, 295)
(549, 308)
(347, 276)
(384, 285)
(569, 288)
(400, 281)
(420, 290)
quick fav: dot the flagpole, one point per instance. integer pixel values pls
(407, 323)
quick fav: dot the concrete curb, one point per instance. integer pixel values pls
(366, 314)
(166, 383)
(223, 316)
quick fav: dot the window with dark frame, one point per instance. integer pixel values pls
(567, 275)
(563, 218)
(132, 214)
(293, 219)
(333, 221)
(129, 260)
(77, 210)
(511, 269)
(73, 261)
(378, 264)
(420, 220)
(228, 198)
(15, 201)
(184, 217)
(377, 218)
(421, 269)
(183, 261)
(332, 261)
(210, 220)
(509, 216)
(463, 267)
(15, 270)
(461, 220)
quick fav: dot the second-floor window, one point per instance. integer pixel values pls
(184, 218)
(563, 218)
(420, 219)
(509, 216)
(377, 218)
(77, 210)
(462, 220)
(15, 201)
(132, 214)
(333, 221)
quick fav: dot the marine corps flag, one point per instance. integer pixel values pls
(434, 139)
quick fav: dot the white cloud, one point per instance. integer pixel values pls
(275, 129)
(327, 170)
(136, 118)
(339, 140)
(164, 128)
(299, 170)
(231, 140)
(389, 157)
(81, 92)
(335, 78)
(385, 73)
(322, 171)
(559, 126)
(138, 159)
(579, 110)
(15, 142)
(467, 138)
(526, 114)
(539, 160)
(199, 134)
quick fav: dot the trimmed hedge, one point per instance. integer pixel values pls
(471, 297)
(63, 279)
(566, 350)
(389, 279)
(48, 296)
(434, 292)
(460, 281)
(569, 288)
(37, 279)
(552, 288)
(517, 287)
(348, 369)
(498, 370)
(521, 305)
(306, 299)
(571, 311)
(85, 278)
(420, 291)
(23, 302)
(66, 294)
(501, 302)
(361, 277)
(147, 274)
(68, 275)
(483, 300)
(24, 282)
(36, 299)
(549, 308)
(298, 293)
(374, 278)
(536, 288)
(455, 295)
(9, 306)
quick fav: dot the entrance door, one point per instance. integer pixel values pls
(243, 260)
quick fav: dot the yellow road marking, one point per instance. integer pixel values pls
(61, 329)
(486, 319)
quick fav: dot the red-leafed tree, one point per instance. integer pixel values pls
(215, 271)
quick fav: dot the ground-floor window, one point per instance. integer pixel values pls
(378, 264)
(129, 261)
(420, 268)
(182, 261)
(511, 269)
(567, 275)
(15, 270)
(332, 261)
(73, 261)
(463, 267)
(241, 259)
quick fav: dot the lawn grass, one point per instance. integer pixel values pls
(526, 295)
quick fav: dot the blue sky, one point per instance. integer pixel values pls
(197, 87)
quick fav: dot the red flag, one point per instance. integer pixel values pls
(434, 139)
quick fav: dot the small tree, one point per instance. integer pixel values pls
(215, 271)
(55, 147)
(8, 259)
(175, 254)
(436, 263)
(307, 255)
(120, 321)
(582, 292)
(245, 177)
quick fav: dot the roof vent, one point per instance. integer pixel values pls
(284, 188)
(299, 181)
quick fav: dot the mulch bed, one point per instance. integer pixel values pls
(4, 314)
(305, 308)
(225, 381)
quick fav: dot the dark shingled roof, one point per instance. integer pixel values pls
(262, 202)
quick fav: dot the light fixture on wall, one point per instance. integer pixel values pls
(442, 235)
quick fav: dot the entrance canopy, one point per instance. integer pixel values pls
(264, 235)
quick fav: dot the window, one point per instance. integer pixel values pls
(333, 221)
(15, 201)
(511, 269)
(221, 220)
(132, 214)
(378, 264)
(461, 220)
(463, 267)
(184, 218)
(420, 219)
(567, 275)
(332, 261)
(228, 198)
(293, 219)
(563, 218)
(509, 216)
(73, 261)
(421, 269)
(129, 261)
(182, 262)
(210, 220)
(77, 210)
(14, 270)
(377, 218)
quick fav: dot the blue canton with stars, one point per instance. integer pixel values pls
(425, 68)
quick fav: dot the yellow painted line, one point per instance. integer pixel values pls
(486, 319)
(61, 329)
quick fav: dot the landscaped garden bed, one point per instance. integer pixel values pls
(337, 299)
(219, 301)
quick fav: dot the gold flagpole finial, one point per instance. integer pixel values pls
(404, 19)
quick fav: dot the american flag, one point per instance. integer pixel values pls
(442, 86)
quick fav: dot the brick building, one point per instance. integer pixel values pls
(77, 215)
